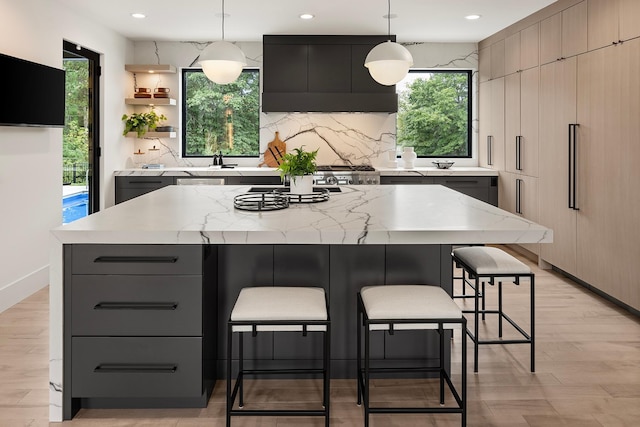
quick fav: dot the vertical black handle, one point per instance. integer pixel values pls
(519, 152)
(575, 167)
(572, 175)
(518, 196)
(489, 154)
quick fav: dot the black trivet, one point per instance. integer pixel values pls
(261, 201)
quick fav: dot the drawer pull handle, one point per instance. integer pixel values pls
(134, 259)
(133, 368)
(136, 306)
(462, 182)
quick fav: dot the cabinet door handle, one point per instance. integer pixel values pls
(519, 152)
(474, 182)
(573, 162)
(518, 196)
(136, 306)
(135, 259)
(489, 154)
(145, 182)
(136, 368)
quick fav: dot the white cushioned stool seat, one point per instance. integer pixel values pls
(405, 302)
(489, 261)
(279, 303)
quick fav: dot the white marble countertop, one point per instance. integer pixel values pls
(399, 214)
(264, 171)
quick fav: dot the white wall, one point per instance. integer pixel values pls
(31, 158)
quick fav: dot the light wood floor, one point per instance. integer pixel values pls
(588, 374)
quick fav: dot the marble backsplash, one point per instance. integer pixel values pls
(341, 138)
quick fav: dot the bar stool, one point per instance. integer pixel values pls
(277, 309)
(482, 264)
(409, 307)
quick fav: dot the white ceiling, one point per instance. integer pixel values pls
(248, 20)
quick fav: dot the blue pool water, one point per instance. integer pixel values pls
(74, 206)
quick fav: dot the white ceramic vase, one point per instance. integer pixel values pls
(301, 184)
(409, 156)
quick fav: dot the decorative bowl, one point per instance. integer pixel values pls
(443, 164)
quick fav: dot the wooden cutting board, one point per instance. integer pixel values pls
(274, 152)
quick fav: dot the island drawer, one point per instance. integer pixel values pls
(136, 259)
(136, 305)
(136, 367)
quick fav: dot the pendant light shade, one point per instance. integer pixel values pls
(222, 62)
(388, 62)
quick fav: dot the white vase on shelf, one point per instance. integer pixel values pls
(409, 156)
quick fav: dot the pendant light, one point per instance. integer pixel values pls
(222, 61)
(388, 62)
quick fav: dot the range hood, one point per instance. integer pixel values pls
(306, 73)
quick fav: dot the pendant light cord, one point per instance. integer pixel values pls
(223, 19)
(388, 19)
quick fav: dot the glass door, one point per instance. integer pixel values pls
(81, 136)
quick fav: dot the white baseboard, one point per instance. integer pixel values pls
(15, 292)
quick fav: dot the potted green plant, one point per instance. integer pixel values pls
(141, 123)
(299, 166)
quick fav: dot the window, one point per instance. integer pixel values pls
(434, 113)
(220, 117)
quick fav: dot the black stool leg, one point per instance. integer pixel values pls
(464, 374)
(359, 353)
(441, 363)
(500, 308)
(229, 364)
(327, 373)
(475, 326)
(366, 375)
(241, 368)
(533, 325)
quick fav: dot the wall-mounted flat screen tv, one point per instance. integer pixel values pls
(32, 94)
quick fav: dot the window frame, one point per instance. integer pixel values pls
(183, 113)
(469, 74)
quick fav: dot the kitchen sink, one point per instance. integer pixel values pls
(333, 189)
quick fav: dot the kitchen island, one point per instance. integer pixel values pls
(361, 235)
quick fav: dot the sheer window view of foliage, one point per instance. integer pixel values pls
(221, 117)
(434, 113)
(75, 136)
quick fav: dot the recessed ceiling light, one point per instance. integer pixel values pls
(472, 17)
(306, 16)
(138, 15)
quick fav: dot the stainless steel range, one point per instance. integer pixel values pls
(346, 175)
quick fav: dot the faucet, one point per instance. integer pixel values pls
(215, 160)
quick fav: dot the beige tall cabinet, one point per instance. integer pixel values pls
(564, 34)
(491, 106)
(612, 21)
(558, 94)
(608, 140)
(572, 136)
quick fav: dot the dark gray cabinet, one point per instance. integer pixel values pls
(128, 187)
(483, 188)
(322, 74)
(139, 326)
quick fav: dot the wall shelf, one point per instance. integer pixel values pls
(150, 135)
(150, 68)
(150, 101)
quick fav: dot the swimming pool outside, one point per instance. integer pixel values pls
(75, 206)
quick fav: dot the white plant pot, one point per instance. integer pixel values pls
(301, 184)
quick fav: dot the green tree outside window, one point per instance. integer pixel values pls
(433, 113)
